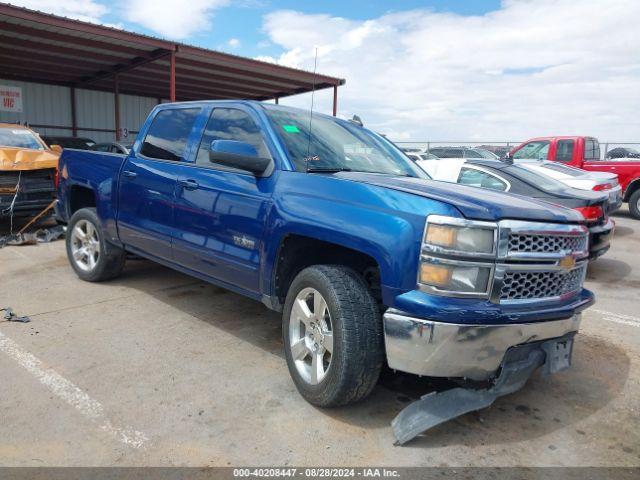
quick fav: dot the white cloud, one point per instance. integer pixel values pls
(177, 19)
(233, 43)
(530, 68)
(87, 10)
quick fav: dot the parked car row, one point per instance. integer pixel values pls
(573, 160)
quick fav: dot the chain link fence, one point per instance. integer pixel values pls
(607, 149)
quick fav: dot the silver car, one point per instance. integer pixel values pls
(580, 179)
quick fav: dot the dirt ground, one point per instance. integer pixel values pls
(157, 368)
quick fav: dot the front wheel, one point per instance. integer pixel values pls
(91, 256)
(634, 204)
(332, 336)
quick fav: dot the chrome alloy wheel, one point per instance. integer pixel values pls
(85, 245)
(311, 335)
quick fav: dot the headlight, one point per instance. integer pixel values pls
(457, 256)
(460, 238)
(462, 278)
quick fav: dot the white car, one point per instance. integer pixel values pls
(580, 179)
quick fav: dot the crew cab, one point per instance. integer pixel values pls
(584, 152)
(369, 261)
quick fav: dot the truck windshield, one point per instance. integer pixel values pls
(337, 145)
(19, 138)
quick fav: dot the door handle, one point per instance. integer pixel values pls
(129, 174)
(189, 184)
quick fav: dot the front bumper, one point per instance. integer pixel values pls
(33, 190)
(600, 239)
(439, 349)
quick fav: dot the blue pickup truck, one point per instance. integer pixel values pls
(369, 261)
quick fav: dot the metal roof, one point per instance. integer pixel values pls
(45, 48)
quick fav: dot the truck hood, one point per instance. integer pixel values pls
(14, 159)
(473, 203)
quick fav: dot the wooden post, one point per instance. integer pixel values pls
(116, 105)
(172, 77)
(74, 122)
(335, 100)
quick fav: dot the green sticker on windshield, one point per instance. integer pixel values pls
(290, 129)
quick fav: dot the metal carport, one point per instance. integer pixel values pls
(52, 50)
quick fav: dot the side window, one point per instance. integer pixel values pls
(453, 153)
(168, 134)
(538, 150)
(230, 124)
(470, 153)
(565, 150)
(591, 149)
(478, 178)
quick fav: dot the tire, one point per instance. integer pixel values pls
(95, 260)
(352, 320)
(634, 204)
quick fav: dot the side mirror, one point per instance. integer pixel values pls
(56, 148)
(240, 155)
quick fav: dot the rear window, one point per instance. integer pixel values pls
(454, 153)
(573, 172)
(19, 138)
(591, 149)
(169, 133)
(536, 180)
(564, 152)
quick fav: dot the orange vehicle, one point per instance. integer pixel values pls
(27, 171)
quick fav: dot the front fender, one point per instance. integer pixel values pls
(385, 224)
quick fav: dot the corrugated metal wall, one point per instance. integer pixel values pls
(51, 105)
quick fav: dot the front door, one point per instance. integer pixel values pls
(148, 182)
(220, 212)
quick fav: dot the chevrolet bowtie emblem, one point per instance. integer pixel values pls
(567, 262)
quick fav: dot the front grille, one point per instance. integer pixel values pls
(35, 185)
(529, 285)
(539, 243)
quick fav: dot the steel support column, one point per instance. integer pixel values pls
(335, 100)
(116, 105)
(172, 77)
(276, 100)
(74, 122)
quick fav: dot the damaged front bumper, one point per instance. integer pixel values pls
(26, 192)
(517, 366)
(503, 357)
(438, 349)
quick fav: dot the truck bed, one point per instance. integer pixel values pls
(97, 171)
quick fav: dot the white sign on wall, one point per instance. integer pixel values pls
(10, 99)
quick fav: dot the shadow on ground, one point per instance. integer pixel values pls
(543, 406)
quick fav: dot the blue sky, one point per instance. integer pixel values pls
(242, 19)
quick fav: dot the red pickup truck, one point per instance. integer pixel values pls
(584, 152)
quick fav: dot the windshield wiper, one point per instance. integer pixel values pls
(328, 169)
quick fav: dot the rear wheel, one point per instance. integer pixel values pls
(634, 204)
(91, 256)
(332, 335)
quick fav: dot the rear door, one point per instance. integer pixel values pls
(148, 181)
(220, 212)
